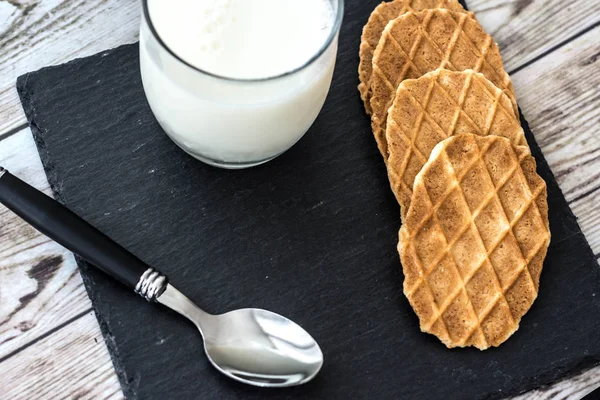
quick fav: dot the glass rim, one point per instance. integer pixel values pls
(334, 31)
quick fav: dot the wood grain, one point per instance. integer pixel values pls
(527, 29)
(73, 363)
(560, 96)
(36, 33)
(40, 286)
(569, 389)
(588, 215)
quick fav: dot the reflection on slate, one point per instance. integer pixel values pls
(311, 235)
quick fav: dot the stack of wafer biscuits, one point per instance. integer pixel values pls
(474, 210)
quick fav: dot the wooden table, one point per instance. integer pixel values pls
(50, 342)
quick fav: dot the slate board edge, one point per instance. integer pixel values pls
(546, 379)
(587, 362)
(29, 109)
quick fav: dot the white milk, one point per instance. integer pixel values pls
(240, 118)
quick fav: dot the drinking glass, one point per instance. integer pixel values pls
(228, 122)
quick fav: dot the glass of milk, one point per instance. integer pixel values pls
(235, 83)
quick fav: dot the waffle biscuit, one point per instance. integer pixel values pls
(416, 43)
(371, 33)
(474, 240)
(439, 104)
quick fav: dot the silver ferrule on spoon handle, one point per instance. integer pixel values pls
(151, 284)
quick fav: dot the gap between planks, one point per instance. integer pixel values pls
(46, 334)
(38, 33)
(13, 131)
(554, 48)
(39, 279)
(72, 363)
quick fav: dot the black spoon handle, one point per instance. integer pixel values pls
(66, 228)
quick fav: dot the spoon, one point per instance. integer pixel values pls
(251, 345)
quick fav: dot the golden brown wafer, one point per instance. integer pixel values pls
(384, 13)
(473, 243)
(416, 43)
(439, 104)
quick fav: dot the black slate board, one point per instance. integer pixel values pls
(311, 235)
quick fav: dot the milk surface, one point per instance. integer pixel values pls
(221, 120)
(243, 38)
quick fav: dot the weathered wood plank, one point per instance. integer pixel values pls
(73, 363)
(587, 211)
(560, 96)
(526, 29)
(569, 389)
(40, 286)
(36, 33)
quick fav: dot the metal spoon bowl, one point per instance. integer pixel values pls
(251, 345)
